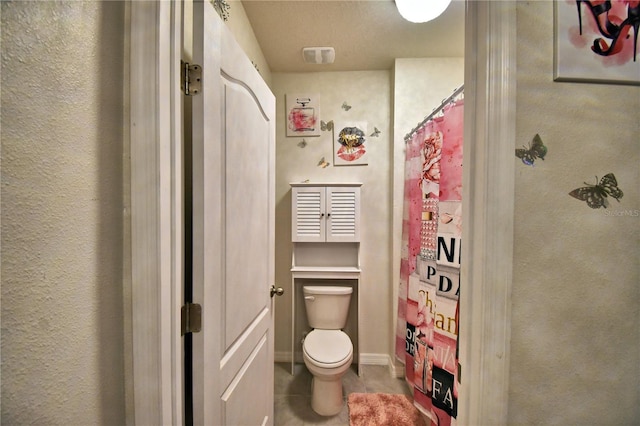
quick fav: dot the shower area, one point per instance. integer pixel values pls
(429, 274)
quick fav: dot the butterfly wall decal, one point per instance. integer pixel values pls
(375, 133)
(536, 150)
(326, 126)
(596, 195)
(345, 106)
(302, 143)
(322, 163)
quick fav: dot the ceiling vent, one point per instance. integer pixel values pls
(319, 55)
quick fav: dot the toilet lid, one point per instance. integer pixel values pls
(327, 346)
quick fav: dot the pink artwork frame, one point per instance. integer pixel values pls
(302, 114)
(595, 41)
(350, 143)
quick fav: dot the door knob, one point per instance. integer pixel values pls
(276, 291)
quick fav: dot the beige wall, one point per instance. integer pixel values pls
(62, 213)
(575, 341)
(369, 94)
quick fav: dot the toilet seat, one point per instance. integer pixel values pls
(328, 348)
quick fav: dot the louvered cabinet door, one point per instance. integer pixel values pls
(308, 214)
(325, 213)
(343, 213)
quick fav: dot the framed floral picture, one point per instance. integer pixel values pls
(597, 41)
(350, 143)
(303, 114)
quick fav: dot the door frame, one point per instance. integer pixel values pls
(154, 284)
(488, 197)
(154, 279)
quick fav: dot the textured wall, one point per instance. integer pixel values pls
(62, 107)
(575, 345)
(369, 95)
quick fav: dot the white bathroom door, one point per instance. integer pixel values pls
(233, 230)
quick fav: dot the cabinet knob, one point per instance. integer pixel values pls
(276, 291)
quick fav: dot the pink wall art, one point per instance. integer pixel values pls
(597, 41)
(350, 143)
(303, 114)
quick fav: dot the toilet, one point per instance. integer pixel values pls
(327, 350)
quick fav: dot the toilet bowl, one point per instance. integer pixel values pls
(327, 355)
(327, 350)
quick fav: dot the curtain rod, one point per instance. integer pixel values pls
(434, 112)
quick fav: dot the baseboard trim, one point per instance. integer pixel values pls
(396, 369)
(374, 359)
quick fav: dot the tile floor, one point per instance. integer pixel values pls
(292, 394)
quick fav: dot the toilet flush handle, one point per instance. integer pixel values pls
(311, 298)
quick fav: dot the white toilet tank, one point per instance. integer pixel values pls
(327, 306)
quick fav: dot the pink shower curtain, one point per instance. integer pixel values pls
(427, 330)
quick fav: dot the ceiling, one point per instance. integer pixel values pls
(366, 34)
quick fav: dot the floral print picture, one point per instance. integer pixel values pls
(303, 115)
(350, 143)
(431, 155)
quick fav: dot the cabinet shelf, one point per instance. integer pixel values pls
(325, 269)
(320, 272)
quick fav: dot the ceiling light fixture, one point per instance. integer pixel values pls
(419, 11)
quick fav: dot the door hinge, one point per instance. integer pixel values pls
(191, 78)
(191, 318)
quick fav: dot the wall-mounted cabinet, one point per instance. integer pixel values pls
(325, 212)
(325, 232)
